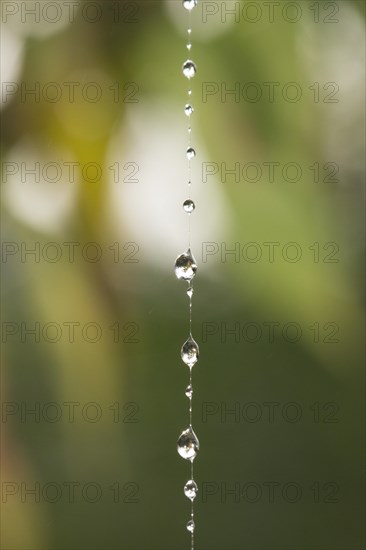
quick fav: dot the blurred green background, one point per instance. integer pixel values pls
(105, 135)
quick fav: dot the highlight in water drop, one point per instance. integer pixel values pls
(188, 444)
(189, 392)
(190, 526)
(185, 266)
(191, 153)
(189, 206)
(188, 109)
(190, 352)
(190, 489)
(189, 4)
(189, 69)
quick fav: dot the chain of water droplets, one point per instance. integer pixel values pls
(185, 269)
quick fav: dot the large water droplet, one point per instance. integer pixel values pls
(189, 391)
(190, 352)
(191, 153)
(189, 206)
(188, 109)
(189, 4)
(185, 266)
(190, 526)
(190, 489)
(189, 69)
(188, 444)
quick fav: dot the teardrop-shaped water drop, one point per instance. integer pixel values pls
(190, 292)
(189, 69)
(189, 391)
(190, 526)
(190, 489)
(189, 4)
(188, 109)
(185, 266)
(189, 206)
(191, 153)
(188, 444)
(190, 352)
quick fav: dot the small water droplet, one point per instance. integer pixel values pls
(190, 352)
(189, 391)
(189, 4)
(189, 130)
(188, 109)
(185, 266)
(189, 69)
(188, 444)
(191, 153)
(188, 206)
(189, 46)
(189, 92)
(190, 526)
(190, 489)
(189, 31)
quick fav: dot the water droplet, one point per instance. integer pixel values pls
(185, 266)
(189, 391)
(189, 46)
(190, 352)
(189, 92)
(189, 31)
(188, 444)
(190, 489)
(188, 109)
(190, 292)
(189, 129)
(189, 69)
(188, 206)
(191, 153)
(190, 526)
(189, 4)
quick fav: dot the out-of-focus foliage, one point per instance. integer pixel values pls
(138, 56)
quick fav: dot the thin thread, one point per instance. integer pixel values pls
(190, 399)
(189, 43)
(192, 511)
